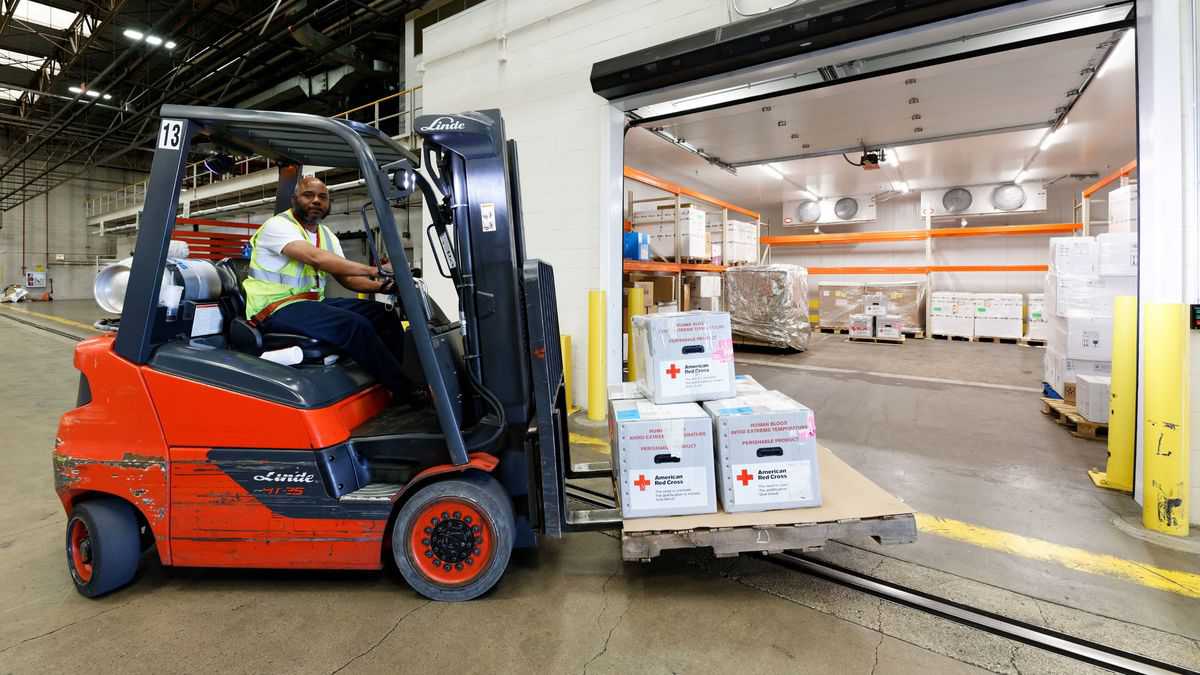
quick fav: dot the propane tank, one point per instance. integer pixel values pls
(199, 279)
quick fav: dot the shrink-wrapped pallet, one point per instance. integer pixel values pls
(769, 303)
(837, 300)
(905, 299)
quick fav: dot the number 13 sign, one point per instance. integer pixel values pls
(170, 134)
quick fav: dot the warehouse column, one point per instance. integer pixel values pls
(1168, 204)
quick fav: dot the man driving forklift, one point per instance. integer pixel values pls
(293, 253)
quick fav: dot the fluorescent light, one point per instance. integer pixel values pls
(772, 171)
(153, 40)
(92, 93)
(134, 34)
(1019, 177)
(170, 44)
(108, 97)
(75, 90)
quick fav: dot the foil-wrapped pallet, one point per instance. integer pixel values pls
(769, 304)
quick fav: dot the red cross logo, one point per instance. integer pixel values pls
(641, 482)
(745, 477)
(673, 371)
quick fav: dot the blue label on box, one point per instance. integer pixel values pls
(626, 415)
(741, 410)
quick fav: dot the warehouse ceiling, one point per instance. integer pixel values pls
(992, 113)
(81, 80)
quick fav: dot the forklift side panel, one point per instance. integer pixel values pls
(94, 452)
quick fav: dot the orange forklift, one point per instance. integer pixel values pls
(186, 442)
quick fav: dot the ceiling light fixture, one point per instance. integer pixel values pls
(170, 44)
(153, 40)
(132, 34)
(75, 90)
(108, 97)
(772, 171)
(93, 93)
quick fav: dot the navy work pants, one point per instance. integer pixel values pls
(365, 330)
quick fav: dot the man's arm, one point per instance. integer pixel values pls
(325, 261)
(359, 284)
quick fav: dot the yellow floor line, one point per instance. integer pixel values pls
(51, 317)
(1172, 581)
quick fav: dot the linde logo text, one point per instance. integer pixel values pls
(272, 477)
(444, 124)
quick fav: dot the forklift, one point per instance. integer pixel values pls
(186, 442)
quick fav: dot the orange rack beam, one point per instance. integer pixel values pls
(216, 223)
(926, 269)
(919, 235)
(654, 181)
(1109, 179)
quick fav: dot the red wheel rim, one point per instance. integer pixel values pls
(79, 550)
(451, 542)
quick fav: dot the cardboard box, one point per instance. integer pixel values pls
(951, 325)
(874, 304)
(1073, 255)
(1118, 254)
(1087, 338)
(689, 217)
(684, 356)
(744, 384)
(905, 299)
(889, 326)
(662, 458)
(1092, 397)
(998, 328)
(708, 304)
(1060, 372)
(692, 241)
(766, 453)
(647, 293)
(1072, 294)
(862, 325)
(952, 313)
(837, 300)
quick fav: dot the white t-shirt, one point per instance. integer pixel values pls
(279, 231)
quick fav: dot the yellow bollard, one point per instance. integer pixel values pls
(597, 389)
(636, 307)
(565, 346)
(1165, 425)
(1122, 411)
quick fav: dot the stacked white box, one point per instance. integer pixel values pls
(1092, 393)
(766, 453)
(999, 315)
(663, 456)
(1118, 254)
(691, 242)
(684, 356)
(1073, 255)
(743, 241)
(952, 313)
(875, 304)
(1083, 337)
(1122, 209)
(1038, 328)
(1061, 372)
(744, 384)
(889, 326)
(862, 325)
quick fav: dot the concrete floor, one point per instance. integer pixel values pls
(985, 456)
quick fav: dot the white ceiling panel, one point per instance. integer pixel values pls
(997, 91)
(1100, 134)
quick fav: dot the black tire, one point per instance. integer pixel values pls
(107, 557)
(417, 558)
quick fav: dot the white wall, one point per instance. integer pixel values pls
(541, 84)
(54, 224)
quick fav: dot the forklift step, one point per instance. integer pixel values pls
(374, 492)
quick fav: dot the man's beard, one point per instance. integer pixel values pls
(308, 217)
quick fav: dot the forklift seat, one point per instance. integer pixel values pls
(245, 336)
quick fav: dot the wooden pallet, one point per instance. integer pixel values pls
(1068, 416)
(1032, 342)
(833, 330)
(998, 340)
(877, 340)
(952, 338)
(914, 334)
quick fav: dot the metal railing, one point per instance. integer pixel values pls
(394, 115)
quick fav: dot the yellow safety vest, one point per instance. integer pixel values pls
(264, 285)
